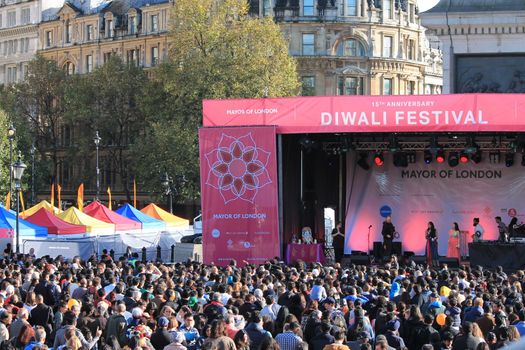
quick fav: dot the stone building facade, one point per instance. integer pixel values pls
(357, 47)
(18, 37)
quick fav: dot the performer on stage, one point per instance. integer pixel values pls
(388, 232)
(432, 245)
(478, 231)
(512, 229)
(502, 229)
(338, 238)
(453, 241)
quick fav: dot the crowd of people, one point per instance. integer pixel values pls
(129, 304)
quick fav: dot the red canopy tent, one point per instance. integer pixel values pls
(55, 226)
(103, 213)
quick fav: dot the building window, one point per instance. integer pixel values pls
(133, 57)
(69, 68)
(154, 56)
(11, 74)
(350, 47)
(154, 23)
(25, 16)
(89, 63)
(411, 87)
(69, 31)
(350, 86)
(411, 50)
(308, 44)
(11, 18)
(89, 32)
(387, 86)
(267, 7)
(308, 86)
(132, 25)
(107, 56)
(109, 28)
(308, 7)
(387, 9)
(351, 7)
(387, 46)
(49, 38)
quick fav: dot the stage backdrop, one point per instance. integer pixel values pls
(434, 192)
(239, 194)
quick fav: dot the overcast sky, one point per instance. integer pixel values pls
(426, 4)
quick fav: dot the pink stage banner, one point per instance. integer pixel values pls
(239, 194)
(334, 114)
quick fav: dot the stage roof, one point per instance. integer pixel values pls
(367, 114)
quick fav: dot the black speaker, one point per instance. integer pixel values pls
(408, 254)
(451, 262)
(378, 250)
(419, 259)
(359, 259)
(396, 248)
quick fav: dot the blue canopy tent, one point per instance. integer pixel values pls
(26, 229)
(148, 223)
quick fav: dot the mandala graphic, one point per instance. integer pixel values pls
(238, 168)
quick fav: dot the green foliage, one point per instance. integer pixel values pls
(4, 155)
(217, 51)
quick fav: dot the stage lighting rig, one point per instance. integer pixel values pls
(428, 157)
(463, 157)
(379, 159)
(453, 159)
(440, 156)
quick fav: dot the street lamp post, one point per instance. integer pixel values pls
(167, 181)
(11, 133)
(18, 171)
(32, 151)
(97, 139)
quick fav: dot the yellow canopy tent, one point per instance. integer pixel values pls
(44, 204)
(93, 226)
(172, 221)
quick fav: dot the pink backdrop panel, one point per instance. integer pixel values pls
(239, 194)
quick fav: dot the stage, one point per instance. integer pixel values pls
(270, 167)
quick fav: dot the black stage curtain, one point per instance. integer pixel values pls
(320, 178)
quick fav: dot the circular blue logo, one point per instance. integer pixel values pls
(385, 211)
(215, 233)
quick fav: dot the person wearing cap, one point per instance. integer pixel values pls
(433, 306)
(161, 337)
(392, 335)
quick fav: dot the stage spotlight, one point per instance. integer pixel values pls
(440, 156)
(463, 158)
(476, 157)
(363, 161)
(378, 159)
(400, 159)
(509, 159)
(428, 157)
(453, 159)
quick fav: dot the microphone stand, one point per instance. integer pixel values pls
(368, 242)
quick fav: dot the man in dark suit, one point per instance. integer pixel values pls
(42, 315)
(466, 341)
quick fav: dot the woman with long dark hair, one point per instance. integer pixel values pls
(453, 242)
(432, 245)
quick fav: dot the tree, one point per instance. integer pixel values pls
(217, 51)
(36, 108)
(109, 101)
(4, 155)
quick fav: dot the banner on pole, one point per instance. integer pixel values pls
(239, 194)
